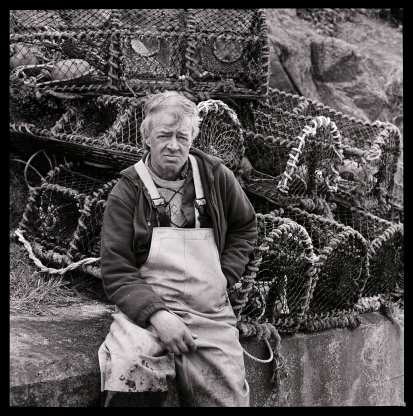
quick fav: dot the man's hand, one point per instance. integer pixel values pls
(173, 333)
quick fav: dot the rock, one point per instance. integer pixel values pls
(358, 72)
(278, 77)
(290, 40)
(335, 60)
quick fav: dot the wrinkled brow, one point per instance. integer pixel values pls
(186, 132)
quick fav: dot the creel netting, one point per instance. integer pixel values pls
(62, 220)
(139, 51)
(220, 133)
(278, 291)
(341, 268)
(385, 251)
(370, 151)
(301, 167)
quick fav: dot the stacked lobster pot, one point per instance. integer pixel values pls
(321, 182)
(314, 270)
(295, 160)
(345, 177)
(63, 218)
(276, 287)
(370, 154)
(76, 73)
(340, 266)
(139, 51)
(385, 241)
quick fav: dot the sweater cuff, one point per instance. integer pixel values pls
(142, 319)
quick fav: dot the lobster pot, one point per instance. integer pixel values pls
(342, 266)
(24, 109)
(220, 133)
(61, 50)
(102, 131)
(110, 124)
(139, 51)
(279, 294)
(355, 132)
(124, 134)
(87, 236)
(227, 51)
(380, 141)
(152, 47)
(362, 171)
(295, 161)
(87, 118)
(385, 251)
(51, 218)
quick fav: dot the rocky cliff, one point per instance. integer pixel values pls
(348, 59)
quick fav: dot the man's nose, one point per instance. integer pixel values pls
(173, 143)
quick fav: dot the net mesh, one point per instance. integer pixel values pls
(385, 249)
(341, 266)
(322, 183)
(139, 51)
(220, 133)
(300, 165)
(63, 217)
(351, 161)
(278, 291)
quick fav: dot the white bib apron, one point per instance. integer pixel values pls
(183, 268)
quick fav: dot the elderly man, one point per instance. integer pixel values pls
(178, 231)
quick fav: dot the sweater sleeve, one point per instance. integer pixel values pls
(122, 280)
(241, 233)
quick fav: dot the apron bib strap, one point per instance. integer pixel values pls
(200, 202)
(159, 203)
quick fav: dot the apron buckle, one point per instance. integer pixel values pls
(158, 202)
(200, 202)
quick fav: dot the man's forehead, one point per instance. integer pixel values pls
(167, 122)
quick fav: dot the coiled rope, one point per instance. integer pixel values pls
(50, 270)
(258, 359)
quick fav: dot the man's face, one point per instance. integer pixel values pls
(169, 144)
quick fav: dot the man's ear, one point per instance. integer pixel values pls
(147, 142)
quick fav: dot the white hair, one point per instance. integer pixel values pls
(178, 107)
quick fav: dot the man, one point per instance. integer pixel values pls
(178, 231)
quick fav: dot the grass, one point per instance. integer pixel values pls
(32, 292)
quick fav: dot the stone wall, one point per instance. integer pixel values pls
(53, 363)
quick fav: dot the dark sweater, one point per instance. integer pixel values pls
(127, 231)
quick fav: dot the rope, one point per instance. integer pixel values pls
(43, 268)
(29, 165)
(258, 359)
(96, 165)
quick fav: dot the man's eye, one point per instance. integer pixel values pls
(183, 139)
